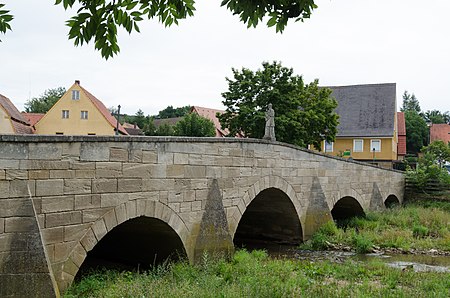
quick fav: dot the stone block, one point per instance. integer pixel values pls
(63, 219)
(110, 220)
(68, 174)
(2, 174)
(165, 158)
(51, 187)
(15, 207)
(157, 184)
(185, 207)
(94, 152)
(9, 164)
(108, 169)
(175, 171)
(99, 229)
(181, 158)
(14, 151)
(137, 170)
(75, 232)
(87, 201)
(91, 215)
(149, 156)
(53, 235)
(21, 188)
(76, 165)
(131, 209)
(175, 207)
(57, 204)
(38, 174)
(89, 240)
(118, 154)
(194, 171)
(121, 213)
(71, 150)
(20, 224)
(113, 199)
(2, 225)
(85, 174)
(16, 174)
(45, 151)
(135, 155)
(79, 255)
(129, 185)
(44, 164)
(196, 206)
(104, 185)
(77, 186)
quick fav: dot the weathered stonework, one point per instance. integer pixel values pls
(59, 196)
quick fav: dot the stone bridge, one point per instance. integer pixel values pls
(70, 202)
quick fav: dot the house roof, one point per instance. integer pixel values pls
(103, 110)
(365, 110)
(132, 129)
(211, 115)
(33, 118)
(19, 122)
(169, 121)
(401, 126)
(440, 132)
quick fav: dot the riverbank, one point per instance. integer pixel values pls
(257, 275)
(419, 227)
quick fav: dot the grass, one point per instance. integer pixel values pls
(256, 275)
(421, 225)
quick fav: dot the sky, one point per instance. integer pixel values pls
(345, 42)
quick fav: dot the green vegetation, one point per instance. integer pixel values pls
(44, 102)
(419, 226)
(256, 275)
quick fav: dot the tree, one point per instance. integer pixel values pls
(171, 112)
(439, 150)
(304, 113)
(410, 103)
(436, 117)
(417, 132)
(194, 125)
(98, 20)
(44, 102)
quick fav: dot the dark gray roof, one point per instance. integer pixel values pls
(366, 110)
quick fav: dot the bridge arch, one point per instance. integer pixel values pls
(140, 210)
(345, 208)
(269, 210)
(391, 201)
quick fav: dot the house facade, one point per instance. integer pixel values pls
(11, 120)
(440, 132)
(78, 112)
(367, 129)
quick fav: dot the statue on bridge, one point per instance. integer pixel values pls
(269, 133)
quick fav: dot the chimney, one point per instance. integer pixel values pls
(77, 82)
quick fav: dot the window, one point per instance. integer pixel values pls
(328, 147)
(375, 145)
(65, 114)
(59, 133)
(75, 94)
(358, 145)
(84, 114)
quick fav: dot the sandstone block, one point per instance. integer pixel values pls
(14, 151)
(78, 165)
(129, 185)
(20, 224)
(38, 174)
(85, 174)
(44, 164)
(194, 171)
(77, 186)
(75, 232)
(131, 209)
(149, 156)
(181, 158)
(51, 187)
(185, 207)
(135, 155)
(53, 235)
(57, 204)
(121, 214)
(104, 185)
(91, 215)
(63, 219)
(99, 229)
(157, 184)
(165, 158)
(108, 169)
(196, 206)
(62, 174)
(113, 199)
(21, 188)
(175, 196)
(89, 240)
(15, 207)
(94, 152)
(79, 255)
(110, 220)
(87, 201)
(2, 225)
(118, 154)
(175, 207)
(45, 151)
(71, 150)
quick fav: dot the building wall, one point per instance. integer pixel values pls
(5, 122)
(388, 149)
(53, 122)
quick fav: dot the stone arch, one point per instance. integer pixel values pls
(115, 217)
(264, 184)
(391, 201)
(347, 207)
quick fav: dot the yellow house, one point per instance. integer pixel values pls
(78, 112)
(367, 129)
(11, 120)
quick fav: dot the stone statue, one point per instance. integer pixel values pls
(269, 133)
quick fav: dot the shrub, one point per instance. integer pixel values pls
(420, 231)
(362, 244)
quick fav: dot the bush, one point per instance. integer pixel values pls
(420, 231)
(362, 244)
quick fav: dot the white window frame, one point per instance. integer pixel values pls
(354, 145)
(65, 114)
(84, 115)
(325, 146)
(75, 94)
(371, 145)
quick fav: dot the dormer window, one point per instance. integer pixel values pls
(75, 94)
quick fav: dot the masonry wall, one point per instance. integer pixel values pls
(60, 195)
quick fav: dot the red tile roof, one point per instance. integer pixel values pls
(401, 124)
(19, 123)
(440, 132)
(105, 112)
(33, 118)
(211, 115)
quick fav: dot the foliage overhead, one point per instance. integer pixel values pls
(194, 125)
(98, 20)
(304, 113)
(44, 102)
